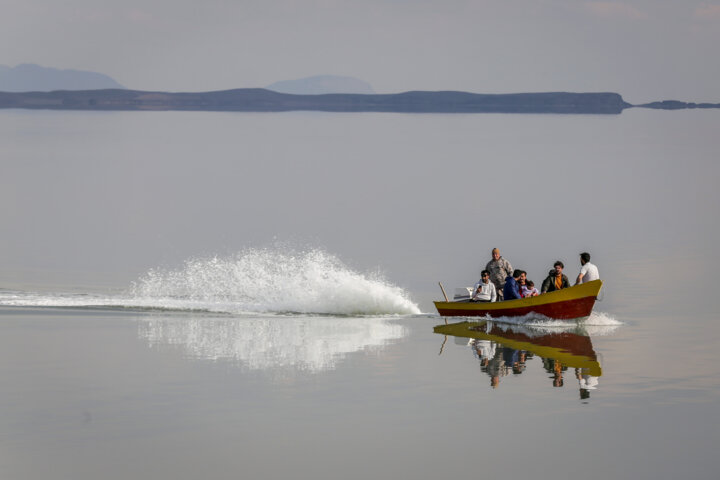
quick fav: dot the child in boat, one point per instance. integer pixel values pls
(529, 290)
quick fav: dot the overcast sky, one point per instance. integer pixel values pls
(643, 49)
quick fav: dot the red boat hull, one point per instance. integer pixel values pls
(566, 304)
(582, 307)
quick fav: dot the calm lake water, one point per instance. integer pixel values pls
(225, 295)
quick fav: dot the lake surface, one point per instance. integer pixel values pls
(188, 295)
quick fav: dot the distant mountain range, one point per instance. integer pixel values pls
(677, 105)
(36, 87)
(322, 84)
(28, 77)
(262, 100)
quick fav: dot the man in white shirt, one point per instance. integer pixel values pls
(484, 291)
(588, 272)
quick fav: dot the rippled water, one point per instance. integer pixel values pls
(223, 296)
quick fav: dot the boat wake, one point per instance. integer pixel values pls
(270, 281)
(597, 324)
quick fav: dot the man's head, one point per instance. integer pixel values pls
(517, 273)
(523, 276)
(495, 254)
(558, 267)
(584, 258)
(485, 276)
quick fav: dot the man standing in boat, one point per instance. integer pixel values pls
(499, 269)
(588, 272)
(556, 280)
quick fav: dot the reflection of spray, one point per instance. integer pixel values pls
(300, 343)
(273, 280)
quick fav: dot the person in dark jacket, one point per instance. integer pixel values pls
(511, 291)
(555, 280)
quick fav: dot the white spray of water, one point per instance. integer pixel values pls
(269, 281)
(272, 280)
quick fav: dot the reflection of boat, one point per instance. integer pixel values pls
(565, 304)
(571, 349)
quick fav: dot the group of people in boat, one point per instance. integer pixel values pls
(498, 281)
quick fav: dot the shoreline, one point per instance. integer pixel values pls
(262, 100)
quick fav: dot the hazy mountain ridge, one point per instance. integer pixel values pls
(677, 105)
(28, 77)
(33, 86)
(262, 100)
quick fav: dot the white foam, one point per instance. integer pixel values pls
(597, 324)
(270, 280)
(274, 280)
(10, 298)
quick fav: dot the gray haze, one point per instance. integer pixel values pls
(644, 49)
(320, 84)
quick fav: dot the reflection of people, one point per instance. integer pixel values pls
(484, 291)
(586, 383)
(511, 291)
(556, 279)
(556, 368)
(588, 272)
(495, 366)
(557, 375)
(519, 366)
(485, 350)
(490, 355)
(497, 360)
(499, 269)
(514, 359)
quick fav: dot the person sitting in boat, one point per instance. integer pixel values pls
(484, 291)
(556, 280)
(588, 272)
(522, 282)
(529, 290)
(511, 291)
